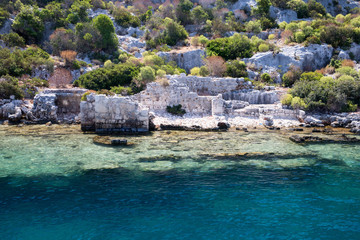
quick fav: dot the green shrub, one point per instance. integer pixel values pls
(174, 32)
(147, 74)
(271, 37)
(160, 73)
(287, 99)
(236, 69)
(20, 62)
(199, 15)
(124, 18)
(13, 40)
(29, 25)
(300, 7)
(204, 71)
(195, 71)
(78, 11)
(183, 13)
(237, 46)
(103, 78)
(316, 8)
(4, 15)
(263, 47)
(176, 110)
(265, 77)
(348, 71)
(124, 91)
(8, 88)
(299, 37)
(253, 26)
(350, 107)
(336, 36)
(107, 30)
(310, 76)
(298, 103)
(291, 76)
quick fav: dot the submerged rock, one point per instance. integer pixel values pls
(315, 139)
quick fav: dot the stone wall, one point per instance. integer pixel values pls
(253, 96)
(275, 111)
(210, 85)
(158, 97)
(57, 104)
(104, 114)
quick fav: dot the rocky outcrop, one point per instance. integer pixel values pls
(185, 59)
(246, 5)
(307, 58)
(130, 43)
(281, 15)
(338, 6)
(104, 114)
(354, 50)
(6, 28)
(13, 110)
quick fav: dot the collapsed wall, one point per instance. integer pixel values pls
(104, 114)
(57, 104)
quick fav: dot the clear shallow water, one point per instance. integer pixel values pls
(176, 186)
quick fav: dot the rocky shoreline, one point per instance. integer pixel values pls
(209, 104)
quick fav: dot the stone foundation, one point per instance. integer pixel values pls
(104, 114)
(57, 104)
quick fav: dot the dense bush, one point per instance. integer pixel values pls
(3, 16)
(13, 40)
(105, 78)
(8, 87)
(170, 32)
(20, 62)
(107, 30)
(174, 32)
(265, 77)
(237, 46)
(183, 11)
(199, 15)
(236, 69)
(29, 25)
(300, 7)
(327, 94)
(336, 36)
(291, 76)
(78, 11)
(124, 18)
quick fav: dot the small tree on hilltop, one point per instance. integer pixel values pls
(216, 66)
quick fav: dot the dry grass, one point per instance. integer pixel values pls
(348, 63)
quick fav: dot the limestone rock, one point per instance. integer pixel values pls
(16, 116)
(307, 58)
(287, 15)
(186, 60)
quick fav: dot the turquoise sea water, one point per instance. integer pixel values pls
(55, 183)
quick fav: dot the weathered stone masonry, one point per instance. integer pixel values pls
(104, 114)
